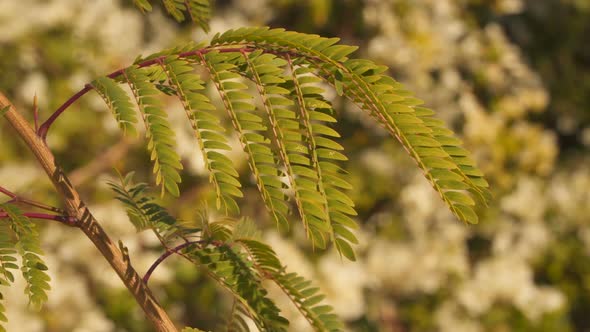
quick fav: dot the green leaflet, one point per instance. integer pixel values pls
(236, 273)
(191, 329)
(232, 254)
(250, 129)
(199, 11)
(289, 141)
(208, 131)
(312, 111)
(144, 213)
(119, 103)
(161, 137)
(306, 298)
(266, 71)
(386, 100)
(22, 238)
(8, 264)
(143, 5)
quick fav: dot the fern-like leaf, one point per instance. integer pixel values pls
(208, 131)
(251, 130)
(453, 175)
(266, 70)
(199, 11)
(316, 113)
(28, 247)
(143, 5)
(7, 263)
(144, 212)
(119, 103)
(299, 290)
(234, 271)
(159, 133)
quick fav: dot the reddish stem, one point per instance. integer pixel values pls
(42, 132)
(70, 221)
(165, 255)
(7, 192)
(175, 250)
(18, 199)
(44, 128)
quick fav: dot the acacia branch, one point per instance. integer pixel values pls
(44, 128)
(77, 209)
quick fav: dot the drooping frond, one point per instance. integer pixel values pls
(208, 131)
(251, 130)
(7, 263)
(119, 103)
(158, 130)
(266, 70)
(299, 290)
(288, 139)
(218, 230)
(27, 244)
(144, 212)
(308, 300)
(315, 114)
(199, 11)
(435, 149)
(234, 271)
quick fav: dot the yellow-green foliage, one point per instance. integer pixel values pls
(19, 236)
(269, 82)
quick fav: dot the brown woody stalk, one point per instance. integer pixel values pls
(77, 209)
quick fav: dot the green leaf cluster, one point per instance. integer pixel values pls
(242, 263)
(272, 84)
(231, 253)
(199, 11)
(300, 291)
(208, 131)
(20, 237)
(436, 150)
(161, 137)
(119, 103)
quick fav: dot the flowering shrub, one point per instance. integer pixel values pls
(522, 267)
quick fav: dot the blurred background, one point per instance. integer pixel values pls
(511, 77)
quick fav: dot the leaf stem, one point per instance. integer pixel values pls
(176, 250)
(44, 128)
(169, 251)
(17, 199)
(70, 221)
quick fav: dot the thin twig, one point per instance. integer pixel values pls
(165, 255)
(42, 131)
(70, 221)
(17, 199)
(7, 192)
(44, 128)
(176, 250)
